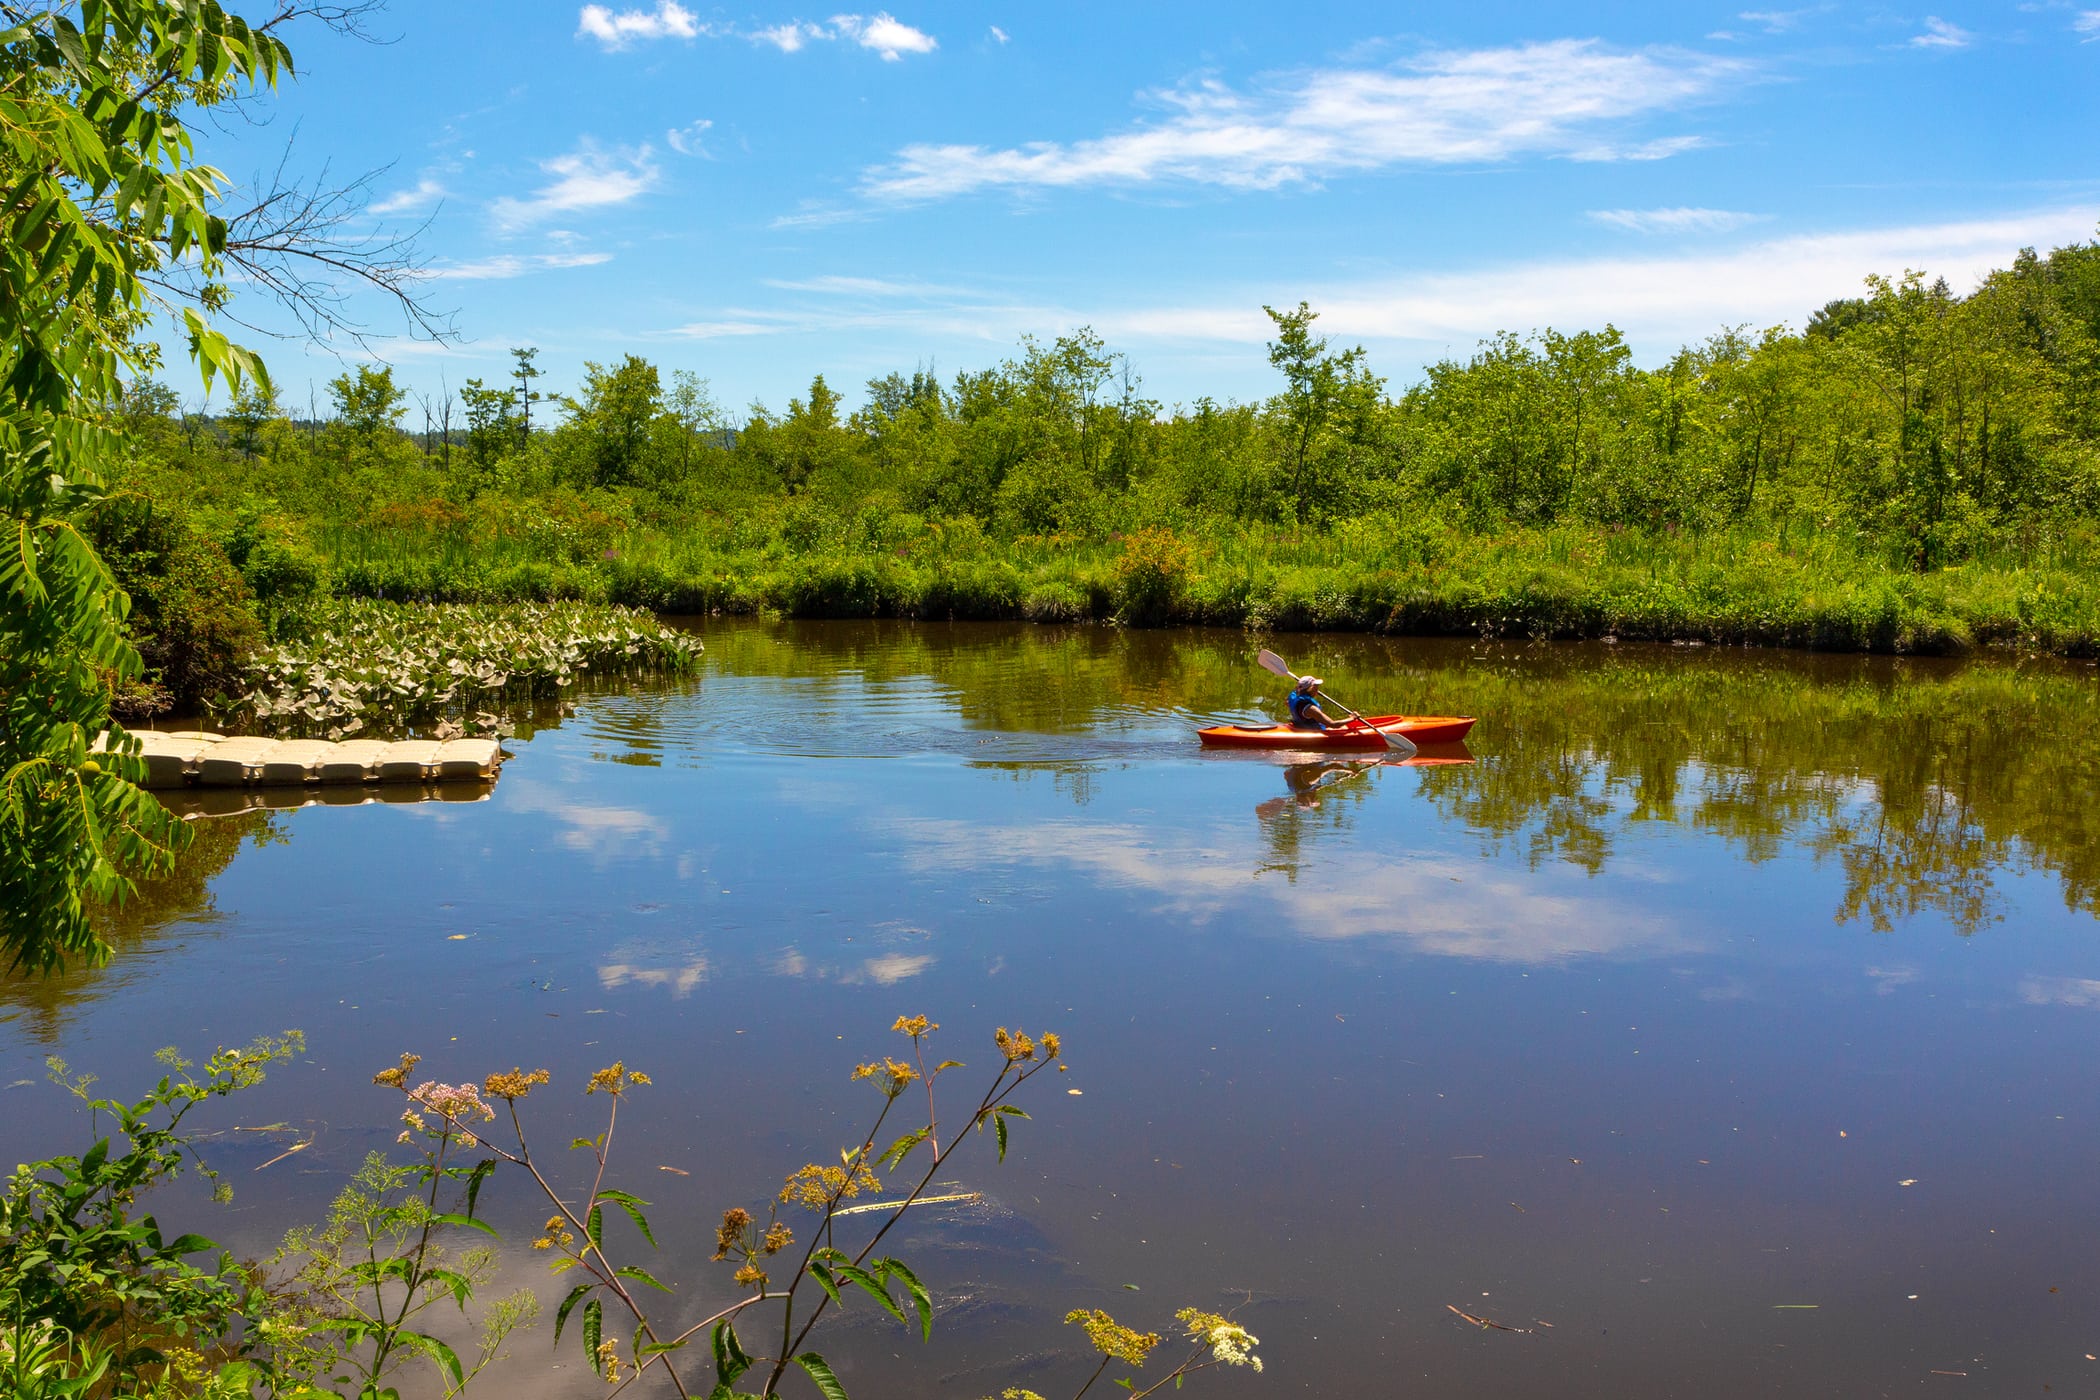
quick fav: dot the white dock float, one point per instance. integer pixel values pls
(194, 758)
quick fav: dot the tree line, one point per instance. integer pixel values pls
(1922, 423)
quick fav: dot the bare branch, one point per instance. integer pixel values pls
(312, 245)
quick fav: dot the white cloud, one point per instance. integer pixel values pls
(892, 968)
(2060, 991)
(686, 139)
(881, 32)
(1773, 21)
(999, 35)
(1677, 220)
(588, 178)
(1435, 905)
(599, 830)
(669, 20)
(1660, 302)
(506, 265)
(2087, 22)
(679, 974)
(885, 34)
(426, 192)
(1939, 34)
(1661, 299)
(1440, 108)
(790, 37)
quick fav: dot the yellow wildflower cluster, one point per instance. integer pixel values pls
(1111, 1338)
(896, 1076)
(820, 1187)
(557, 1235)
(397, 1077)
(609, 1361)
(733, 1237)
(1016, 1045)
(914, 1026)
(513, 1086)
(730, 1233)
(1228, 1341)
(615, 1079)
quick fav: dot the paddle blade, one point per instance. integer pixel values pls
(1399, 744)
(1274, 664)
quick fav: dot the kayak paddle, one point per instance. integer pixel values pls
(1276, 665)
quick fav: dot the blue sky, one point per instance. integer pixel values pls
(758, 195)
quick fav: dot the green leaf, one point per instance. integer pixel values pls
(632, 1207)
(594, 1331)
(893, 1156)
(822, 1274)
(730, 1360)
(639, 1276)
(561, 1314)
(874, 1289)
(922, 1302)
(594, 1225)
(465, 1222)
(999, 1126)
(820, 1372)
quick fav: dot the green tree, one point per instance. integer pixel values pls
(492, 422)
(694, 414)
(524, 370)
(1327, 401)
(253, 406)
(613, 415)
(102, 194)
(368, 403)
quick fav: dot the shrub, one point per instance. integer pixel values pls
(192, 615)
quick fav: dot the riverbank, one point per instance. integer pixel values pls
(1565, 583)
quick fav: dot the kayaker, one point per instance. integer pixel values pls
(1305, 705)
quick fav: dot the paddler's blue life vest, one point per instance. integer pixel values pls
(1300, 700)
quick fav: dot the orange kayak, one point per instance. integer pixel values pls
(1421, 729)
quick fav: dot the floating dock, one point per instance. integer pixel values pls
(197, 758)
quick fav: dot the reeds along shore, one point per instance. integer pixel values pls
(1739, 586)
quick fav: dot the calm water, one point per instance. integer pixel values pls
(1730, 1023)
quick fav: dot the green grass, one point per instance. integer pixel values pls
(1741, 587)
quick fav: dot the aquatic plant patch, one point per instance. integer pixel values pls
(348, 664)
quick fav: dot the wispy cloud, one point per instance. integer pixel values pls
(2087, 22)
(1661, 299)
(1537, 919)
(1000, 36)
(882, 32)
(1677, 220)
(1939, 34)
(2060, 991)
(669, 20)
(507, 265)
(1660, 302)
(1564, 98)
(686, 139)
(426, 193)
(587, 178)
(790, 37)
(1773, 21)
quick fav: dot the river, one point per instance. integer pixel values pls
(1726, 1026)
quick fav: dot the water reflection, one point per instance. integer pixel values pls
(1563, 1032)
(152, 922)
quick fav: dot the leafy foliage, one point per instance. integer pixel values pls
(97, 1288)
(357, 663)
(101, 193)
